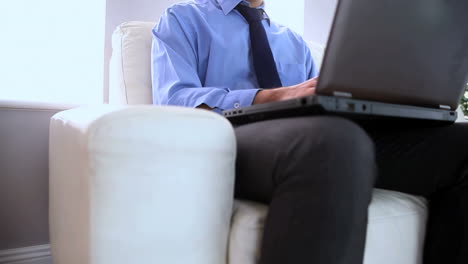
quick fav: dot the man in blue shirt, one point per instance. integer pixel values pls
(201, 57)
(316, 173)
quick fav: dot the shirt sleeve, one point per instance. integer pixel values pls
(175, 79)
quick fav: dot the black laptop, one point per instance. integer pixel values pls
(385, 59)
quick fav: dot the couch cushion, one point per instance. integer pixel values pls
(395, 233)
(130, 66)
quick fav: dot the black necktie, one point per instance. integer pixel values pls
(264, 63)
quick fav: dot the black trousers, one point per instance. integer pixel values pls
(317, 175)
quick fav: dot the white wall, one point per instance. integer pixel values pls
(24, 174)
(51, 50)
(290, 13)
(318, 19)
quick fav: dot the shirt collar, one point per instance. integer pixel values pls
(228, 5)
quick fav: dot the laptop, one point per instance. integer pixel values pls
(394, 59)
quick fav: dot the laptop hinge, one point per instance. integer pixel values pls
(343, 94)
(445, 107)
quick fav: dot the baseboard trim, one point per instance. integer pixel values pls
(27, 255)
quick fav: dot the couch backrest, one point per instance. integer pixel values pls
(130, 66)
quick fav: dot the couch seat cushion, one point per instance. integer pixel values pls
(395, 233)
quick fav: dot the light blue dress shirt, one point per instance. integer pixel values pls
(201, 55)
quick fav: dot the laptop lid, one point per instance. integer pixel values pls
(398, 51)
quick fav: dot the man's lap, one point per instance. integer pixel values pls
(418, 159)
(270, 151)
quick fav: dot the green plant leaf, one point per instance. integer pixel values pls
(464, 101)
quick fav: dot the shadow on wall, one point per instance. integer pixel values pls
(24, 137)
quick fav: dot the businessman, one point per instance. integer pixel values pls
(316, 173)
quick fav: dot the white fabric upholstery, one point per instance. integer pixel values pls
(396, 224)
(130, 65)
(461, 115)
(131, 185)
(395, 232)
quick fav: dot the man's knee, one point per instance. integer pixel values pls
(304, 153)
(308, 134)
(336, 136)
(340, 148)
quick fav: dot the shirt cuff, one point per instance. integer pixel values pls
(238, 98)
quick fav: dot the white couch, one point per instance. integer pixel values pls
(134, 183)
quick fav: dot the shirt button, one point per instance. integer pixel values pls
(236, 105)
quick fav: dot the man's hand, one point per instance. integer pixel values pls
(279, 94)
(284, 93)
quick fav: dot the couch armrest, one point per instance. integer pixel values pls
(140, 184)
(461, 115)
